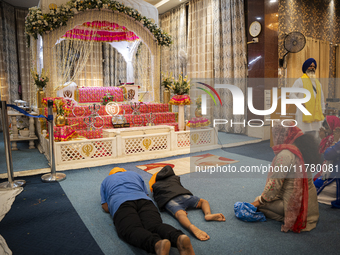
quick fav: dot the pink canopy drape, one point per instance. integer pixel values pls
(101, 31)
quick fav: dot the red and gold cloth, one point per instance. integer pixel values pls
(63, 133)
(198, 122)
(174, 124)
(159, 111)
(94, 134)
(95, 94)
(180, 100)
(83, 110)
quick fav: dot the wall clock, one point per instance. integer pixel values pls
(255, 29)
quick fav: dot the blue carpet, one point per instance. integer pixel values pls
(261, 150)
(228, 138)
(230, 237)
(23, 159)
(43, 221)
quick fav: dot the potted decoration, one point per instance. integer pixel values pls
(166, 83)
(198, 110)
(60, 119)
(40, 80)
(180, 88)
(198, 121)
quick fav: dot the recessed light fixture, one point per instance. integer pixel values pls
(258, 18)
(161, 3)
(272, 1)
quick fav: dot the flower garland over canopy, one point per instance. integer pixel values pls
(39, 23)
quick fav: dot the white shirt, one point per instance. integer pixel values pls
(306, 127)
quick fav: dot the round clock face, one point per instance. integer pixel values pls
(255, 29)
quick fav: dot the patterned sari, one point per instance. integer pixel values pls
(295, 214)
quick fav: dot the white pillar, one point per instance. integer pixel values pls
(129, 72)
(173, 140)
(181, 121)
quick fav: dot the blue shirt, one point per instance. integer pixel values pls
(121, 187)
(333, 153)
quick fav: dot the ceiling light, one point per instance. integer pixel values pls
(161, 3)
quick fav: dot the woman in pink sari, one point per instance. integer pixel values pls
(289, 194)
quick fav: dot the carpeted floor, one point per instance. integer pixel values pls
(229, 138)
(23, 159)
(79, 208)
(43, 221)
(230, 237)
(260, 150)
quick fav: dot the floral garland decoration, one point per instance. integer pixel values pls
(38, 23)
(108, 98)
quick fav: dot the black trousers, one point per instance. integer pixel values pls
(139, 223)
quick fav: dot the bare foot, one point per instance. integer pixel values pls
(201, 235)
(216, 217)
(162, 247)
(184, 245)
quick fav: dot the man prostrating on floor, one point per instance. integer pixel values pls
(135, 216)
(169, 194)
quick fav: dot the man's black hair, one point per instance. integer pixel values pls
(309, 148)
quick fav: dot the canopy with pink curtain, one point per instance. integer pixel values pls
(101, 31)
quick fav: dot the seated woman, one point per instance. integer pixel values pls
(326, 132)
(289, 195)
(328, 186)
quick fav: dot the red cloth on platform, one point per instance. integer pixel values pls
(63, 133)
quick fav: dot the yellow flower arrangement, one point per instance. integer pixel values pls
(166, 80)
(180, 86)
(40, 80)
(199, 102)
(59, 105)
